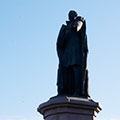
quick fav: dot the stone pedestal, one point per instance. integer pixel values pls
(69, 108)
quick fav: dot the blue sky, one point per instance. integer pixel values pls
(28, 59)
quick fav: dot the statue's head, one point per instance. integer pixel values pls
(72, 15)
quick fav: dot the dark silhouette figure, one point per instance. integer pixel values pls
(72, 52)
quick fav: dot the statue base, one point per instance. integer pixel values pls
(69, 108)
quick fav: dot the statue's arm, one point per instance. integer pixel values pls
(83, 35)
(60, 38)
(85, 44)
(60, 41)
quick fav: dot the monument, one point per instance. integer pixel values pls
(73, 101)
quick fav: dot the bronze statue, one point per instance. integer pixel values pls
(72, 52)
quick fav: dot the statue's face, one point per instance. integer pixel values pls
(72, 15)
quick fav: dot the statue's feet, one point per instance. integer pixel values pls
(76, 94)
(85, 96)
(81, 96)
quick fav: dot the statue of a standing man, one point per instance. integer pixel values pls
(72, 51)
